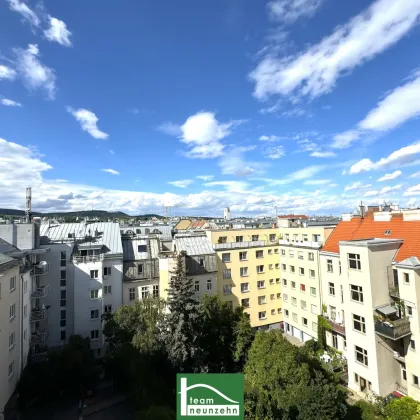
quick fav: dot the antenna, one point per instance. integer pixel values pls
(362, 210)
(28, 205)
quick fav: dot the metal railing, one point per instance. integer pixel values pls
(247, 244)
(79, 259)
(40, 271)
(40, 292)
(303, 244)
(38, 337)
(340, 328)
(395, 330)
(38, 314)
(39, 356)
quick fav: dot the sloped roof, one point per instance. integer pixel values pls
(5, 247)
(358, 228)
(194, 244)
(6, 262)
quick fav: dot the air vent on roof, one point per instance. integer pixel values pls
(387, 232)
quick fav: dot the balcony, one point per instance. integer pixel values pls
(339, 328)
(42, 268)
(40, 292)
(248, 244)
(39, 355)
(394, 291)
(393, 329)
(303, 244)
(38, 314)
(399, 357)
(39, 337)
(79, 259)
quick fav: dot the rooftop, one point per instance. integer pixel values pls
(6, 263)
(193, 244)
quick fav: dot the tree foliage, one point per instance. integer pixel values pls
(405, 408)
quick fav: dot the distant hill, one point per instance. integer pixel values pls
(102, 214)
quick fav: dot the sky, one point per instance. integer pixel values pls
(304, 106)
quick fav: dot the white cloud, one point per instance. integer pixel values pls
(343, 140)
(324, 154)
(315, 72)
(205, 151)
(9, 102)
(317, 181)
(58, 32)
(389, 177)
(415, 175)
(88, 121)
(300, 175)
(274, 152)
(405, 156)
(184, 183)
(7, 73)
(170, 128)
(232, 186)
(234, 163)
(33, 73)
(414, 190)
(27, 13)
(357, 186)
(269, 138)
(383, 191)
(307, 145)
(294, 112)
(112, 152)
(289, 11)
(205, 177)
(111, 171)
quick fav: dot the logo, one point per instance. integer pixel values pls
(210, 396)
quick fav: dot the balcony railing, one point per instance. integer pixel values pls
(248, 244)
(394, 291)
(39, 337)
(40, 292)
(399, 357)
(41, 269)
(340, 328)
(38, 356)
(38, 314)
(393, 329)
(79, 259)
(303, 244)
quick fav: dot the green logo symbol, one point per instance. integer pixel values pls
(210, 396)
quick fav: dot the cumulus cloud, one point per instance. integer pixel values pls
(323, 154)
(22, 8)
(111, 171)
(288, 11)
(414, 190)
(315, 71)
(9, 102)
(205, 177)
(58, 32)
(357, 186)
(405, 156)
(269, 138)
(33, 73)
(88, 121)
(389, 177)
(383, 191)
(7, 73)
(233, 186)
(317, 181)
(274, 152)
(184, 183)
(234, 163)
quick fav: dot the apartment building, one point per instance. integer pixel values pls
(85, 277)
(370, 267)
(249, 272)
(300, 244)
(200, 263)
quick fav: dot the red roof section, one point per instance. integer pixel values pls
(368, 228)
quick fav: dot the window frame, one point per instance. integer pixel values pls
(357, 261)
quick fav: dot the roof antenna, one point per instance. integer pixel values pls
(362, 210)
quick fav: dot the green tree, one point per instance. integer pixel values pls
(405, 408)
(181, 321)
(281, 383)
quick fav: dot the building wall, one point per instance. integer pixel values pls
(139, 286)
(21, 235)
(9, 355)
(25, 331)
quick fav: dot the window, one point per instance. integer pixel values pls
(25, 311)
(291, 253)
(295, 238)
(285, 297)
(226, 257)
(412, 345)
(94, 314)
(283, 267)
(312, 274)
(361, 355)
(63, 277)
(314, 326)
(254, 238)
(294, 316)
(94, 334)
(63, 296)
(229, 304)
(339, 267)
(131, 293)
(11, 340)
(285, 282)
(341, 293)
(333, 312)
(270, 252)
(243, 271)
(107, 271)
(277, 281)
(63, 315)
(305, 322)
(409, 310)
(302, 288)
(12, 311)
(292, 268)
(139, 268)
(415, 380)
(197, 286)
(305, 237)
(63, 259)
(303, 305)
(94, 294)
(301, 271)
(227, 273)
(331, 289)
(209, 285)
(278, 295)
(330, 266)
(155, 290)
(273, 312)
(201, 262)
(313, 291)
(107, 309)
(293, 284)
(141, 248)
(244, 287)
(356, 293)
(276, 251)
(406, 278)
(314, 309)
(334, 340)
(294, 301)
(260, 269)
(359, 323)
(12, 283)
(272, 296)
(25, 286)
(270, 266)
(262, 315)
(144, 292)
(25, 334)
(272, 237)
(261, 284)
(239, 239)
(354, 262)
(93, 274)
(271, 281)
(245, 302)
(283, 252)
(279, 310)
(62, 335)
(262, 300)
(11, 368)
(286, 312)
(310, 256)
(222, 239)
(227, 289)
(300, 255)
(277, 266)
(107, 290)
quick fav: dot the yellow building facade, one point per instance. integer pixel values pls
(249, 272)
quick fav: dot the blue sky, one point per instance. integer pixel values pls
(304, 105)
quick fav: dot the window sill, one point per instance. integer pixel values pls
(12, 318)
(12, 347)
(260, 272)
(262, 319)
(244, 291)
(11, 376)
(12, 290)
(362, 364)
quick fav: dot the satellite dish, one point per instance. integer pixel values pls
(42, 264)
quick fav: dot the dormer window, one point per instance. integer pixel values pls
(387, 232)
